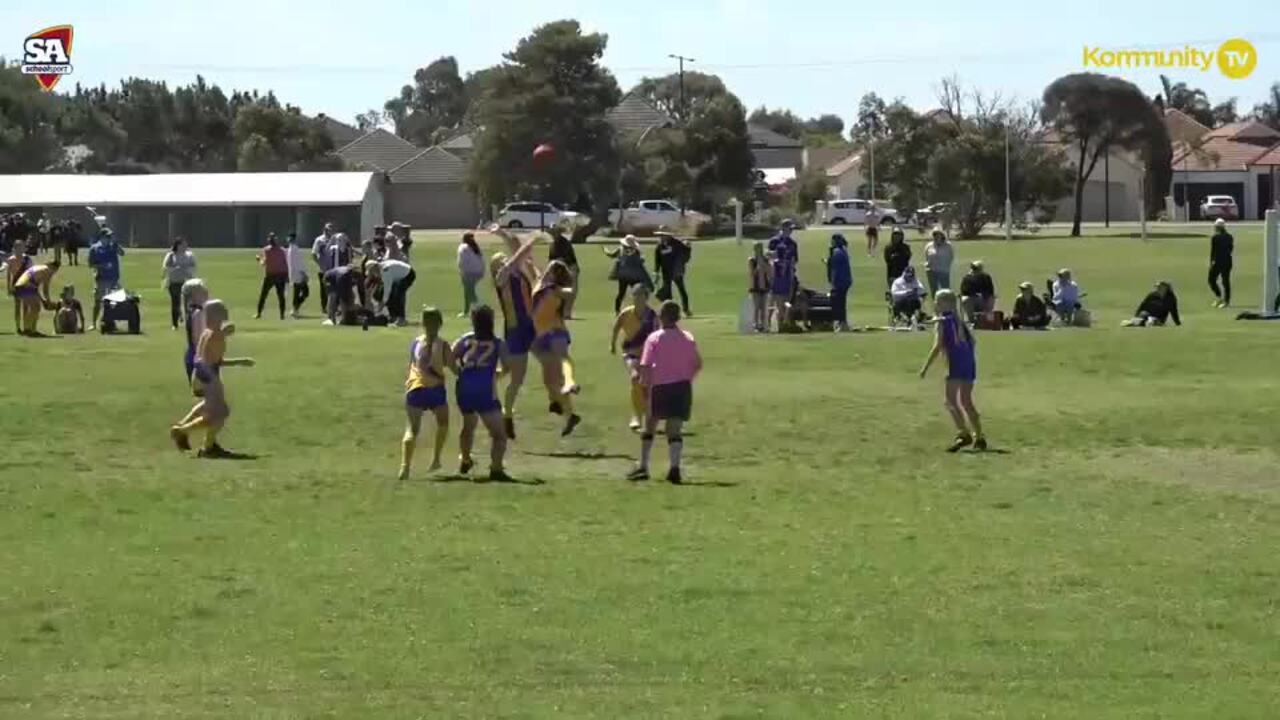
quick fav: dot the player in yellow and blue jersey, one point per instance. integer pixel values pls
(635, 323)
(478, 358)
(514, 278)
(425, 390)
(551, 341)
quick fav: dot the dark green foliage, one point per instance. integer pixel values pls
(433, 106)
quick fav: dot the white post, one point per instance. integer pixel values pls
(1008, 198)
(1142, 202)
(1270, 259)
(737, 220)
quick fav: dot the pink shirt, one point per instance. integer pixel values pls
(670, 356)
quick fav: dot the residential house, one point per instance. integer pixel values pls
(1237, 159)
(779, 157)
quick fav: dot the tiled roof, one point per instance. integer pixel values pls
(461, 141)
(1182, 126)
(1270, 157)
(340, 132)
(635, 114)
(764, 137)
(379, 150)
(1245, 130)
(851, 161)
(1215, 153)
(433, 165)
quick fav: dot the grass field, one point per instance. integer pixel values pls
(1117, 558)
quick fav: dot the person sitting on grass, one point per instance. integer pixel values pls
(958, 342)
(1065, 297)
(1156, 308)
(905, 296)
(977, 292)
(69, 319)
(668, 365)
(1029, 311)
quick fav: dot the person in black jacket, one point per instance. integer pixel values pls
(1221, 247)
(670, 258)
(1029, 311)
(977, 291)
(562, 250)
(897, 255)
(1156, 308)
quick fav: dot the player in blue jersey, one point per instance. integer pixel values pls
(478, 358)
(957, 341)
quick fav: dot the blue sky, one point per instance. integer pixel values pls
(342, 58)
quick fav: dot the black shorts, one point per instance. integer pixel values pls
(673, 401)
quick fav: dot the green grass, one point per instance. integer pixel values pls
(1117, 561)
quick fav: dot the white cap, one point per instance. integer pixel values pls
(1219, 223)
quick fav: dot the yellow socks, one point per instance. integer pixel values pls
(566, 371)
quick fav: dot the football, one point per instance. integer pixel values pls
(543, 154)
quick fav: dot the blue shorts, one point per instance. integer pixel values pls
(425, 398)
(963, 372)
(189, 362)
(520, 339)
(26, 291)
(780, 288)
(545, 340)
(477, 401)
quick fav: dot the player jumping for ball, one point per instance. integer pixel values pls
(425, 390)
(551, 341)
(957, 340)
(514, 277)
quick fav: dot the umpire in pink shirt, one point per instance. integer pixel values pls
(669, 363)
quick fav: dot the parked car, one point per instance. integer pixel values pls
(854, 212)
(931, 215)
(654, 213)
(1219, 206)
(535, 214)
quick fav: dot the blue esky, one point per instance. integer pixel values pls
(345, 57)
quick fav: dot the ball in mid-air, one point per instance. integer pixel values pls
(543, 154)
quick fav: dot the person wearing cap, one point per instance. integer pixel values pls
(628, 269)
(977, 292)
(897, 256)
(1065, 296)
(939, 255)
(785, 255)
(1156, 308)
(398, 241)
(104, 258)
(670, 258)
(906, 293)
(1221, 248)
(840, 275)
(1029, 311)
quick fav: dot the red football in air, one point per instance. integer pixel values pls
(544, 153)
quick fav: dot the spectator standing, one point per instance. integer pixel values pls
(562, 250)
(897, 256)
(320, 252)
(840, 275)
(104, 258)
(670, 258)
(785, 256)
(471, 269)
(400, 242)
(939, 255)
(872, 221)
(178, 266)
(71, 239)
(14, 266)
(56, 240)
(275, 273)
(628, 269)
(1221, 249)
(297, 263)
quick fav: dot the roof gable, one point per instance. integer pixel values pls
(341, 133)
(1216, 153)
(850, 162)
(634, 114)
(433, 165)
(1246, 131)
(379, 150)
(764, 137)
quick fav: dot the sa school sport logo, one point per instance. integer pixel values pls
(47, 55)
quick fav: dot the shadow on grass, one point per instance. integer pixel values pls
(707, 484)
(232, 456)
(484, 480)
(577, 455)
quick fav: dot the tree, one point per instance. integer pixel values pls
(1225, 112)
(1268, 111)
(28, 137)
(1095, 113)
(432, 106)
(551, 89)
(783, 122)
(370, 120)
(709, 147)
(274, 138)
(827, 124)
(1192, 101)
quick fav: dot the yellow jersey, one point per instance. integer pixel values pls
(548, 311)
(636, 324)
(430, 374)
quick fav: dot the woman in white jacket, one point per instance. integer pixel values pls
(178, 266)
(471, 269)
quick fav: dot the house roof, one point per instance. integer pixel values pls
(1269, 158)
(186, 189)
(378, 150)
(764, 137)
(851, 161)
(1246, 131)
(1216, 153)
(634, 114)
(433, 165)
(461, 141)
(340, 132)
(1182, 126)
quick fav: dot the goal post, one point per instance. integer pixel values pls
(1270, 260)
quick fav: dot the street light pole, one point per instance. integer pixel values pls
(1008, 196)
(682, 60)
